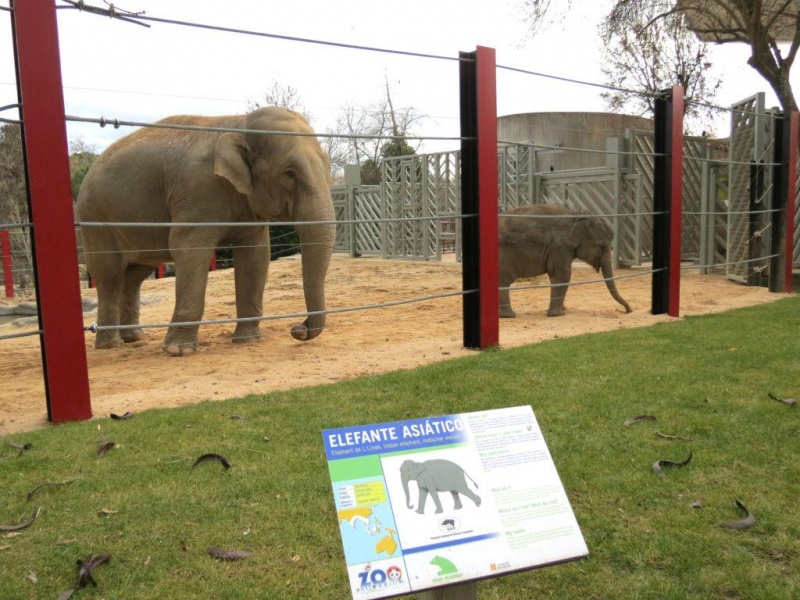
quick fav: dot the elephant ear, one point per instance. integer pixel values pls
(580, 231)
(230, 162)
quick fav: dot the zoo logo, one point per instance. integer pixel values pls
(449, 524)
(377, 578)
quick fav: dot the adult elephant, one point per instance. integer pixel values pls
(230, 180)
(434, 476)
(544, 238)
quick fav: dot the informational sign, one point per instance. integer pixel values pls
(433, 502)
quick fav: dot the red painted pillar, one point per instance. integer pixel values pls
(8, 271)
(668, 202)
(213, 265)
(794, 139)
(50, 197)
(478, 91)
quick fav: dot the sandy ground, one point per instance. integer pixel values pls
(354, 344)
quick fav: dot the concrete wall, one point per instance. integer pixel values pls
(567, 130)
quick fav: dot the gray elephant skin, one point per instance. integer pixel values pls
(188, 176)
(434, 476)
(532, 246)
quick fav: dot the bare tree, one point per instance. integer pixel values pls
(365, 129)
(284, 96)
(757, 23)
(652, 56)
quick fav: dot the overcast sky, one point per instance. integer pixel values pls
(114, 69)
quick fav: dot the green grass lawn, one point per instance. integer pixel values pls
(706, 379)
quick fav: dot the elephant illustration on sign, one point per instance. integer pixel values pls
(434, 476)
(531, 246)
(231, 180)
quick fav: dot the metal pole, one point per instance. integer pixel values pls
(44, 137)
(791, 195)
(480, 266)
(667, 202)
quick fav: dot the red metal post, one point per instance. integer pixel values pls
(794, 139)
(8, 272)
(213, 265)
(50, 195)
(668, 202)
(480, 279)
(676, 202)
(486, 68)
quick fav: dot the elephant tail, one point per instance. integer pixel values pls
(471, 479)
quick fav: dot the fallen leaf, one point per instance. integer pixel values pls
(660, 464)
(6, 547)
(633, 420)
(673, 437)
(228, 554)
(147, 561)
(21, 447)
(85, 568)
(697, 504)
(42, 485)
(296, 558)
(745, 523)
(104, 447)
(66, 595)
(23, 525)
(31, 576)
(104, 512)
(211, 456)
(237, 418)
(123, 417)
(790, 401)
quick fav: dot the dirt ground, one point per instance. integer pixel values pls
(355, 344)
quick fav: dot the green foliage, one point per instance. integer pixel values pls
(706, 379)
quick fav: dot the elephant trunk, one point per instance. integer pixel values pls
(316, 240)
(608, 275)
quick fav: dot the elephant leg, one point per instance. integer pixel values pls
(559, 282)
(456, 501)
(423, 497)
(435, 496)
(251, 264)
(506, 312)
(129, 301)
(471, 495)
(107, 271)
(191, 279)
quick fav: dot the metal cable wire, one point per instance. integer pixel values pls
(19, 335)
(281, 223)
(117, 123)
(587, 282)
(585, 150)
(94, 327)
(580, 82)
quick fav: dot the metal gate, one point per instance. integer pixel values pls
(752, 143)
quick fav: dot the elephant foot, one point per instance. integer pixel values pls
(439, 511)
(107, 340)
(131, 335)
(181, 341)
(556, 312)
(181, 350)
(420, 512)
(245, 333)
(506, 312)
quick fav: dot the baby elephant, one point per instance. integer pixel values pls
(531, 246)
